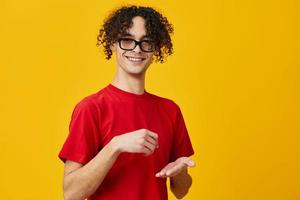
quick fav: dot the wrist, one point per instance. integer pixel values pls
(115, 145)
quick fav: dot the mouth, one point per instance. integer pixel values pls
(135, 59)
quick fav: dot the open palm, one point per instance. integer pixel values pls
(174, 168)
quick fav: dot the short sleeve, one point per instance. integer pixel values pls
(181, 146)
(83, 140)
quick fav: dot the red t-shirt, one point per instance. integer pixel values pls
(97, 118)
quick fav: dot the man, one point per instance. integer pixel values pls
(123, 141)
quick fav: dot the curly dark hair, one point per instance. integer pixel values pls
(119, 21)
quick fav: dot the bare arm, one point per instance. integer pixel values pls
(180, 184)
(82, 181)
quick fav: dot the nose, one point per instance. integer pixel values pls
(137, 48)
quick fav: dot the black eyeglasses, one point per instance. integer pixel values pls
(130, 44)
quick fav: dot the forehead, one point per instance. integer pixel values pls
(138, 28)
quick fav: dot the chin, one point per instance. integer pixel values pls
(136, 69)
(135, 72)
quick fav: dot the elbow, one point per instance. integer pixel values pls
(71, 193)
(67, 190)
(67, 197)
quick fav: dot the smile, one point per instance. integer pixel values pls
(135, 59)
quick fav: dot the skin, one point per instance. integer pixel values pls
(131, 76)
(81, 181)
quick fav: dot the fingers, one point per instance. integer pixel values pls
(148, 148)
(147, 141)
(175, 170)
(172, 171)
(161, 174)
(176, 167)
(152, 140)
(152, 134)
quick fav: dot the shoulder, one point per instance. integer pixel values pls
(167, 103)
(97, 97)
(90, 102)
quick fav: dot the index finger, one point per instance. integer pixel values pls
(153, 134)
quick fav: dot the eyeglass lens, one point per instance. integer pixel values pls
(130, 44)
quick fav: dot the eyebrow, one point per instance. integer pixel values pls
(129, 35)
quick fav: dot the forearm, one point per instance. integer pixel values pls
(180, 184)
(84, 181)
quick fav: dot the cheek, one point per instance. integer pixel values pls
(113, 48)
(121, 55)
(151, 58)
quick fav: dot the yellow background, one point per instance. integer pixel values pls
(235, 74)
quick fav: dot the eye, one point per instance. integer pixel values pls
(127, 40)
(147, 45)
(126, 43)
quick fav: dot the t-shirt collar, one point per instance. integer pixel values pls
(126, 93)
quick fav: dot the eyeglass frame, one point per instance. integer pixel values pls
(135, 44)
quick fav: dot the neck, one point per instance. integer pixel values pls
(134, 83)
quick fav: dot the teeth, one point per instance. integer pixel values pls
(134, 59)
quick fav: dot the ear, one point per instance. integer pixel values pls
(113, 47)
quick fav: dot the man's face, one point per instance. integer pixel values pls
(135, 61)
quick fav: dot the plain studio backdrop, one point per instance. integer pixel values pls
(235, 74)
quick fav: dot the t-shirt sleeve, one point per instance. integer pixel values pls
(82, 142)
(182, 146)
